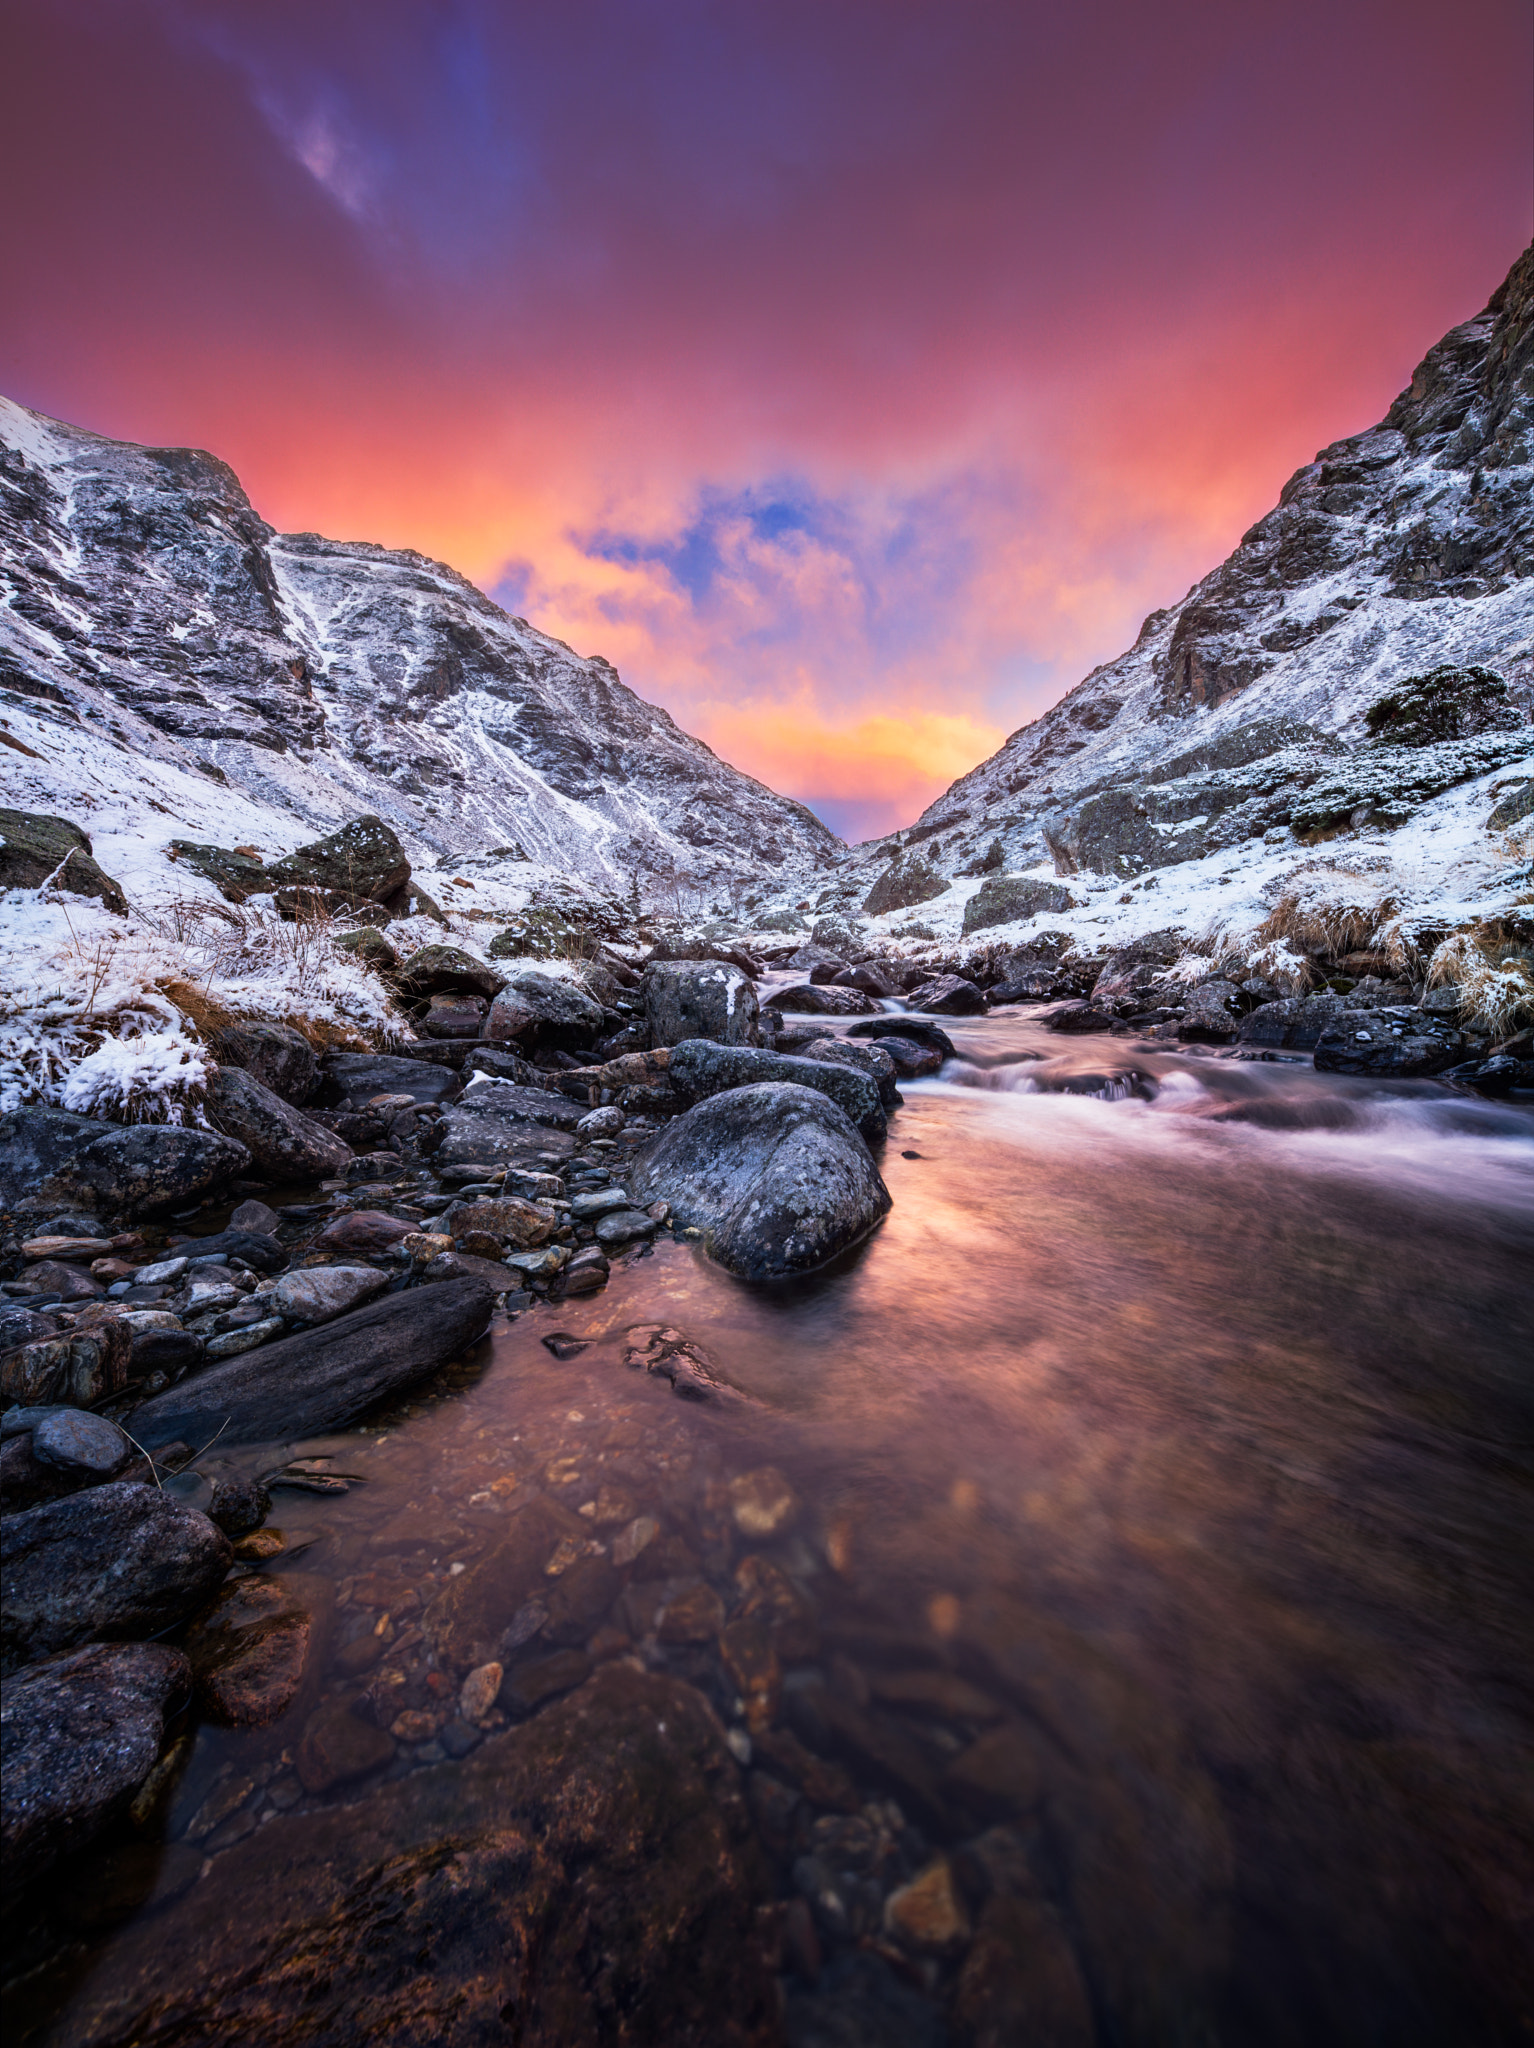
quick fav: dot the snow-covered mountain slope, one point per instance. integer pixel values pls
(180, 669)
(1238, 715)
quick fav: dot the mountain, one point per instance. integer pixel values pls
(161, 642)
(1242, 711)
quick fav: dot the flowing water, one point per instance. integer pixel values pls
(1161, 1480)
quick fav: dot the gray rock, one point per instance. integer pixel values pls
(453, 1017)
(593, 1202)
(694, 999)
(361, 863)
(231, 1343)
(909, 1060)
(235, 875)
(950, 995)
(1391, 1044)
(806, 999)
(1211, 1013)
(700, 1069)
(317, 1294)
(1293, 1021)
(1003, 899)
(909, 879)
(775, 1175)
(324, 1378)
(257, 1218)
(162, 1272)
(601, 1123)
(36, 848)
(1132, 977)
(79, 1442)
(587, 1271)
(358, 1076)
(537, 1011)
(279, 1138)
(49, 1156)
(118, 1561)
(501, 1121)
(624, 1226)
(276, 1055)
(864, 1057)
(448, 971)
(81, 1732)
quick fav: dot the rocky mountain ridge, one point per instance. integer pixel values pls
(147, 611)
(1241, 710)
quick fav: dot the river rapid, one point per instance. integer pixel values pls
(1161, 1533)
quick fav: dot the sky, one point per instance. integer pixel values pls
(854, 374)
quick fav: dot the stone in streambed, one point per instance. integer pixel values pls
(687, 1000)
(80, 1442)
(806, 999)
(324, 1378)
(1021, 1980)
(116, 1560)
(586, 1878)
(369, 1231)
(274, 1054)
(699, 1070)
(250, 1651)
(775, 1176)
(93, 1360)
(623, 1226)
(279, 1138)
(81, 1733)
(318, 1294)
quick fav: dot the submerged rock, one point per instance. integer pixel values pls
(81, 1733)
(323, 1378)
(775, 1175)
(249, 1652)
(587, 1878)
(119, 1560)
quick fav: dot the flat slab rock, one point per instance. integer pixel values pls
(587, 1878)
(120, 1560)
(323, 1378)
(775, 1175)
(81, 1732)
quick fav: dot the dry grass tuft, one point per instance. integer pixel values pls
(1494, 973)
(1328, 926)
(203, 1011)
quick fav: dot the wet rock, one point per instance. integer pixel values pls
(239, 1505)
(478, 1693)
(317, 1294)
(950, 995)
(692, 1614)
(600, 1123)
(704, 1000)
(591, 1203)
(1390, 1044)
(81, 1733)
(280, 1139)
(1003, 899)
(805, 999)
(117, 1560)
(528, 1687)
(749, 1656)
(765, 1592)
(249, 1652)
(632, 1541)
(762, 1502)
(361, 863)
(860, 2003)
(168, 1351)
(48, 1156)
(1077, 1017)
(324, 1378)
(467, 1623)
(699, 1070)
(24, 1481)
(254, 1248)
(938, 1695)
(338, 1747)
(78, 1442)
(276, 1055)
(1211, 1013)
(1021, 1981)
(861, 1058)
(999, 1772)
(872, 978)
(359, 1076)
(372, 1232)
(921, 1030)
(928, 1915)
(500, 1122)
(79, 1369)
(69, 1283)
(256, 1218)
(910, 1061)
(540, 1012)
(623, 1226)
(776, 1176)
(507, 1218)
(825, 1785)
(590, 1874)
(448, 971)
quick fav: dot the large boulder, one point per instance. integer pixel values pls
(359, 1076)
(948, 995)
(323, 1378)
(118, 1561)
(37, 848)
(693, 999)
(806, 999)
(234, 873)
(50, 1158)
(587, 1878)
(1006, 899)
(775, 1175)
(909, 879)
(498, 1121)
(1132, 977)
(541, 1012)
(80, 1734)
(276, 1055)
(362, 863)
(1293, 1021)
(448, 971)
(280, 1139)
(1389, 1044)
(700, 1069)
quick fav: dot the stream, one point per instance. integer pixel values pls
(1152, 1496)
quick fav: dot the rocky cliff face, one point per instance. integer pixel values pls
(1242, 710)
(146, 610)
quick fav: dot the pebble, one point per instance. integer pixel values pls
(232, 1342)
(479, 1692)
(928, 1914)
(79, 1442)
(161, 1273)
(638, 1536)
(762, 1502)
(593, 1202)
(623, 1226)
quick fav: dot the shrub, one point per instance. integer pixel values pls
(1447, 703)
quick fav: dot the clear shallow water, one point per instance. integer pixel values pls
(1193, 1428)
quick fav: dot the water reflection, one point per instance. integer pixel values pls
(1160, 1545)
